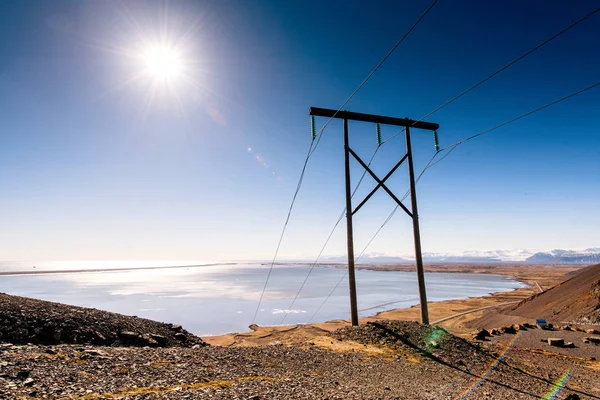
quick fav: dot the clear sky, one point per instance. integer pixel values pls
(102, 160)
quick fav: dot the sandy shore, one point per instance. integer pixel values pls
(545, 276)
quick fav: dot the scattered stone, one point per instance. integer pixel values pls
(592, 331)
(573, 396)
(558, 342)
(181, 337)
(176, 327)
(49, 351)
(28, 382)
(495, 332)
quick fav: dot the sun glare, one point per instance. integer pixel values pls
(163, 63)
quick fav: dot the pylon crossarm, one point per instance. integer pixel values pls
(380, 182)
(379, 185)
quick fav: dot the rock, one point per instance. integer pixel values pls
(253, 327)
(481, 334)
(558, 342)
(508, 329)
(569, 344)
(567, 328)
(95, 353)
(591, 339)
(592, 331)
(495, 332)
(161, 340)
(100, 338)
(573, 396)
(49, 351)
(523, 327)
(128, 335)
(23, 374)
(181, 337)
(150, 342)
(28, 382)
(176, 327)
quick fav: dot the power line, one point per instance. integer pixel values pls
(510, 64)
(449, 149)
(287, 220)
(312, 148)
(453, 146)
(398, 43)
(326, 241)
(525, 115)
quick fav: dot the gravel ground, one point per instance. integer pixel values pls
(408, 367)
(532, 339)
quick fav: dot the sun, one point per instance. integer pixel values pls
(163, 63)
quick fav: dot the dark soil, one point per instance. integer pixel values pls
(575, 300)
(24, 320)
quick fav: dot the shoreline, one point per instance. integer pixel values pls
(545, 276)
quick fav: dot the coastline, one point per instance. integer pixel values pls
(533, 275)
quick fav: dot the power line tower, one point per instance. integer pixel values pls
(413, 213)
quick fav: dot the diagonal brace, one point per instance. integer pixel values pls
(380, 182)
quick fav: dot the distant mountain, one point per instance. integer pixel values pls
(556, 256)
(591, 255)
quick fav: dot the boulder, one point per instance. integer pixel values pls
(593, 340)
(128, 335)
(161, 340)
(558, 342)
(176, 327)
(181, 337)
(495, 332)
(481, 334)
(508, 329)
(567, 328)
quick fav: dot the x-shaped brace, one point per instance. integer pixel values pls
(380, 183)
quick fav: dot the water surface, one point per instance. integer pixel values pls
(218, 299)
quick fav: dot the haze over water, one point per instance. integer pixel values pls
(221, 298)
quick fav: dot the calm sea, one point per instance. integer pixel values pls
(215, 299)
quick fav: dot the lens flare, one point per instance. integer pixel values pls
(485, 373)
(557, 386)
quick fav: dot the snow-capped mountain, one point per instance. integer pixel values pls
(591, 255)
(556, 256)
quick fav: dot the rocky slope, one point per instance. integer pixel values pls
(24, 320)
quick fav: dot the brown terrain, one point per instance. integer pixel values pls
(386, 357)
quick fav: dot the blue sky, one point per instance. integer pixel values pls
(92, 167)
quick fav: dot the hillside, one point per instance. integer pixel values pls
(575, 300)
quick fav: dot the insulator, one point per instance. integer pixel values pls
(436, 142)
(378, 131)
(313, 128)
